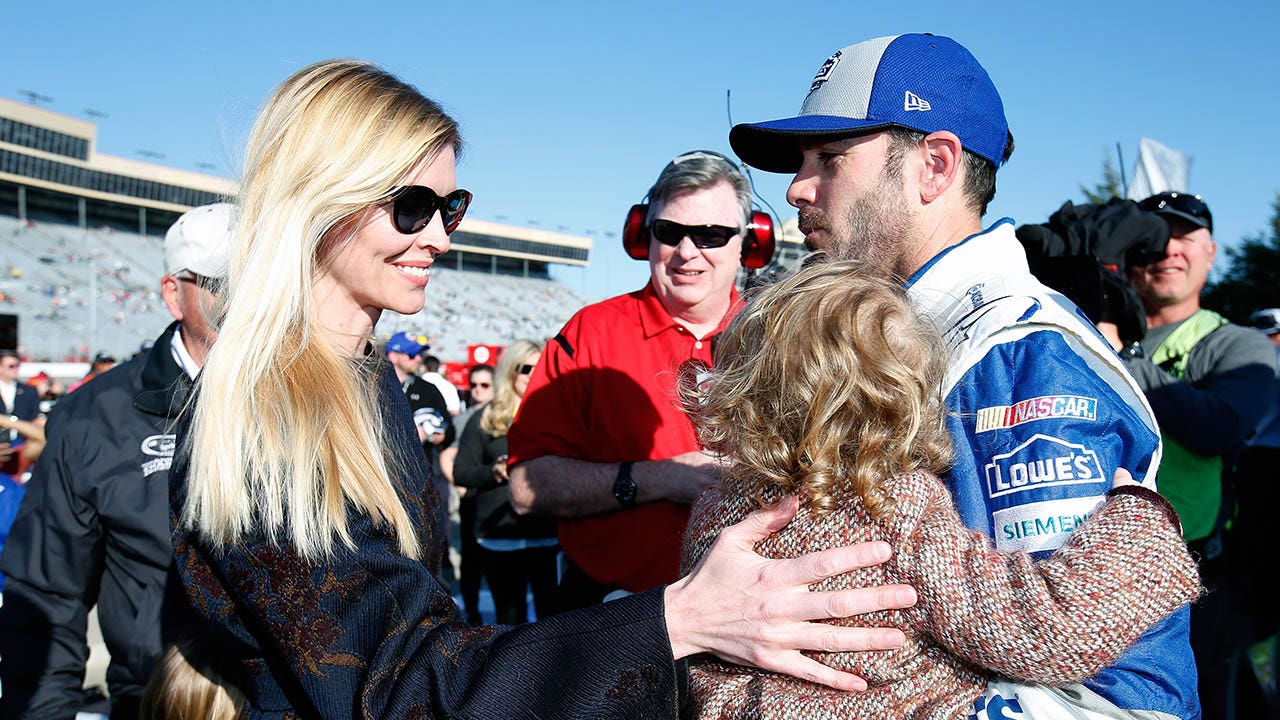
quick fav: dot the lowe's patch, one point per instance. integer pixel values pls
(1041, 526)
(1039, 408)
(1042, 461)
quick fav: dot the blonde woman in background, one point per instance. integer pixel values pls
(518, 551)
(303, 513)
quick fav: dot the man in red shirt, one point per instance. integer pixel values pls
(600, 440)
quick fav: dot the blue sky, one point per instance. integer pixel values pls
(570, 109)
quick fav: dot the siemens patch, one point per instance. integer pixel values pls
(1040, 408)
(1041, 526)
(1042, 461)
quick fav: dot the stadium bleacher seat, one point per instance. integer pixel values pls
(63, 282)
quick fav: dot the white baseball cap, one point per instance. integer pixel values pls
(200, 241)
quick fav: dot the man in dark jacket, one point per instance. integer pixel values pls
(404, 352)
(430, 412)
(94, 524)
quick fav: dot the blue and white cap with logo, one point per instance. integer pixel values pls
(922, 82)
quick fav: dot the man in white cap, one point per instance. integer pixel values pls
(94, 524)
(895, 152)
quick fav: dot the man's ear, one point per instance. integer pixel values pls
(169, 293)
(943, 157)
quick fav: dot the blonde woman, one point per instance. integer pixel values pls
(302, 502)
(828, 386)
(518, 552)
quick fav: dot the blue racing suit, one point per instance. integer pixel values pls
(1042, 412)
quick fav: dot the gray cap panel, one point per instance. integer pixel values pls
(843, 84)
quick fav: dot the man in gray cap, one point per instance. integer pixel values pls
(895, 152)
(93, 528)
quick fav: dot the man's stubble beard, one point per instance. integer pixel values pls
(875, 228)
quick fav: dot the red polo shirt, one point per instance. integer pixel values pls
(605, 391)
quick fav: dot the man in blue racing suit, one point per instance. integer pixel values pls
(895, 152)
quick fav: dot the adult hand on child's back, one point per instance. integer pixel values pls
(755, 611)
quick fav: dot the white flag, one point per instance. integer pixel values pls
(1158, 169)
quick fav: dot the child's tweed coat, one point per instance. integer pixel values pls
(980, 611)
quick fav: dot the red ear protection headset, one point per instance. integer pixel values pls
(758, 240)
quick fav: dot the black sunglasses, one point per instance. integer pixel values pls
(413, 206)
(1179, 203)
(203, 282)
(524, 369)
(703, 236)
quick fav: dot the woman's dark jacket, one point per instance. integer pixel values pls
(473, 469)
(373, 634)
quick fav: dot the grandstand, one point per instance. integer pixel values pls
(81, 252)
(464, 309)
(79, 291)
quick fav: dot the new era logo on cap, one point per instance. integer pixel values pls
(913, 101)
(921, 82)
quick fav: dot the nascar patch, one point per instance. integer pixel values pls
(1042, 461)
(1046, 407)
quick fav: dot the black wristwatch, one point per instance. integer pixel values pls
(1131, 351)
(624, 488)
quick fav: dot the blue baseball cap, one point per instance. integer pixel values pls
(922, 82)
(408, 344)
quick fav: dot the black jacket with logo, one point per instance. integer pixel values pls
(93, 529)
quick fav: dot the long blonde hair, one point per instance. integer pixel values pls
(499, 413)
(825, 384)
(287, 430)
(186, 684)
